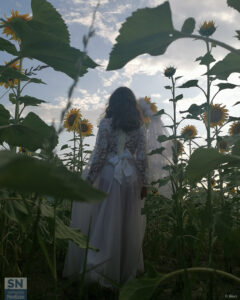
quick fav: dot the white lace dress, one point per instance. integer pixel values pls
(117, 167)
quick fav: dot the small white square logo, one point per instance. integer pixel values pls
(15, 288)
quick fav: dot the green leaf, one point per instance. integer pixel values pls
(164, 138)
(223, 86)
(203, 161)
(47, 134)
(46, 18)
(28, 174)
(188, 84)
(18, 135)
(236, 148)
(168, 87)
(234, 4)
(30, 101)
(64, 232)
(51, 50)
(224, 68)
(8, 73)
(238, 34)
(238, 102)
(148, 30)
(4, 115)
(178, 97)
(5, 45)
(36, 80)
(188, 26)
(160, 112)
(157, 151)
(141, 288)
(65, 146)
(207, 59)
(12, 98)
(195, 110)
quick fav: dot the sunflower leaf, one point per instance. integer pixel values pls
(234, 4)
(30, 101)
(4, 115)
(188, 26)
(188, 84)
(157, 151)
(44, 178)
(238, 102)
(223, 86)
(203, 161)
(207, 59)
(148, 30)
(8, 73)
(224, 68)
(46, 133)
(51, 50)
(47, 19)
(164, 138)
(5, 45)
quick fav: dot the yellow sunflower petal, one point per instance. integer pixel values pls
(218, 115)
(189, 132)
(85, 128)
(234, 128)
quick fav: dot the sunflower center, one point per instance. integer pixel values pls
(84, 127)
(236, 129)
(216, 115)
(188, 133)
(71, 119)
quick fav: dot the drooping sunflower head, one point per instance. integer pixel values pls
(180, 148)
(234, 128)
(207, 28)
(218, 115)
(223, 146)
(12, 81)
(85, 128)
(189, 132)
(169, 72)
(152, 104)
(7, 30)
(72, 119)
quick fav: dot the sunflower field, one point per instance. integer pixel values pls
(192, 240)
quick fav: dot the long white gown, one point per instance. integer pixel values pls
(117, 167)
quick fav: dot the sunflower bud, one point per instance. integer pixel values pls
(169, 72)
(207, 28)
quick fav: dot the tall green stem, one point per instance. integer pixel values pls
(18, 94)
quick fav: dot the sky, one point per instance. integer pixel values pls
(144, 74)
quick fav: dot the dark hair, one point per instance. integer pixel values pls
(123, 109)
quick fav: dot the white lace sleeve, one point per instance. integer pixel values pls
(100, 150)
(141, 155)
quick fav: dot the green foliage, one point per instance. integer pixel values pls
(7, 46)
(234, 3)
(7, 74)
(224, 68)
(142, 288)
(28, 174)
(4, 115)
(30, 101)
(47, 19)
(206, 60)
(204, 161)
(189, 83)
(188, 26)
(226, 85)
(148, 30)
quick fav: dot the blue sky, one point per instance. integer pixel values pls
(144, 75)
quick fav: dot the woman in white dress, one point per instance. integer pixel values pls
(117, 167)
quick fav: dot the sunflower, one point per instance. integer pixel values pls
(189, 132)
(235, 128)
(169, 72)
(213, 182)
(85, 127)
(223, 146)
(13, 81)
(72, 119)
(7, 30)
(207, 28)
(154, 192)
(180, 148)
(218, 115)
(152, 104)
